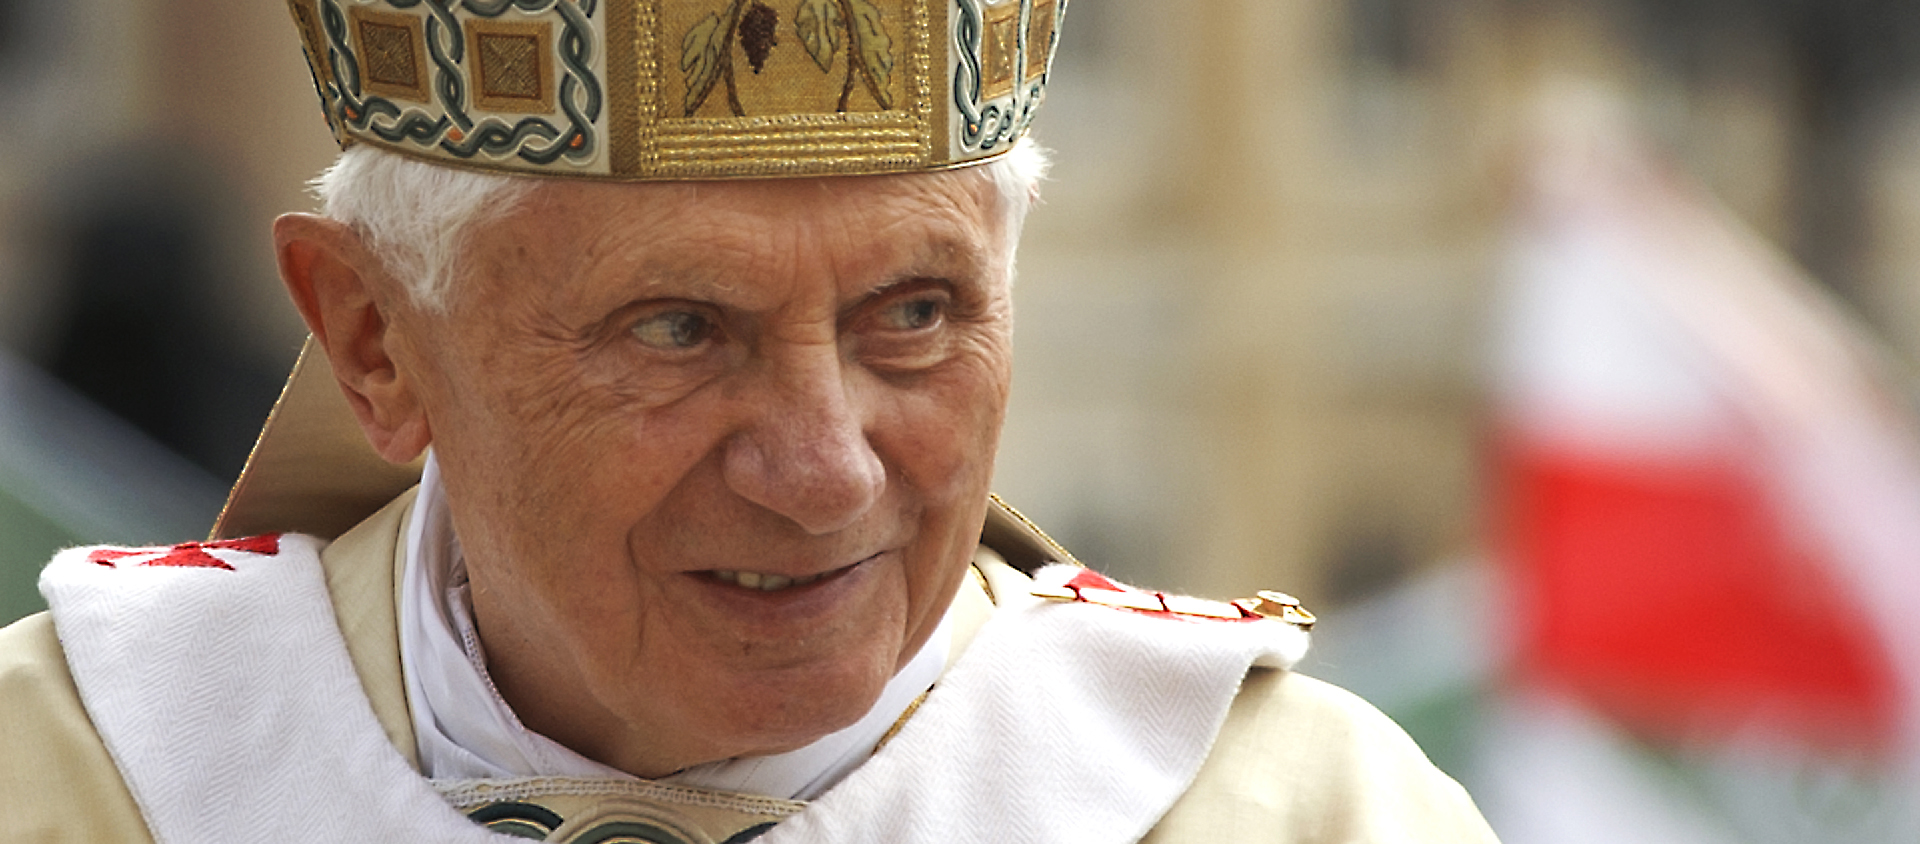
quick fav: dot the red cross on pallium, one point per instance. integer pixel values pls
(188, 554)
(1090, 579)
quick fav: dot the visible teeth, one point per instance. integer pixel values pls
(764, 582)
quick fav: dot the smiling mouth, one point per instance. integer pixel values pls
(765, 582)
(775, 582)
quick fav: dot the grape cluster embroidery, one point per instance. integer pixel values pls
(823, 27)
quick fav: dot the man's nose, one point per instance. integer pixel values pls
(805, 455)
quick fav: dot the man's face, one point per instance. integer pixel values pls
(717, 453)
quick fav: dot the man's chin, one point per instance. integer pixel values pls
(814, 704)
(748, 731)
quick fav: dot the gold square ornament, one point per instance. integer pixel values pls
(511, 66)
(393, 53)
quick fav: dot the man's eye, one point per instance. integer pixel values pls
(912, 314)
(674, 330)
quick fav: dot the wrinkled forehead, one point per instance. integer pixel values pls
(966, 193)
(946, 211)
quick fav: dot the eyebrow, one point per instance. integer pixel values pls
(679, 279)
(939, 244)
(945, 249)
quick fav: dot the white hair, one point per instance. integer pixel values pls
(1017, 175)
(416, 216)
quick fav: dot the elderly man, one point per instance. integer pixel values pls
(707, 368)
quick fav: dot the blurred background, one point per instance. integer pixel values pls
(1557, 351)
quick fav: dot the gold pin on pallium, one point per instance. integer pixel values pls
(1183, 605)
(1277, 605)
(1144, 601)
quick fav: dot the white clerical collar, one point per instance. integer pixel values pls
(465, 730)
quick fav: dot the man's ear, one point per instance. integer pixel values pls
(338, 285)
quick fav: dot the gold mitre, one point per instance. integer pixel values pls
(682, 89)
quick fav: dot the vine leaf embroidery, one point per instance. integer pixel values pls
(701, 53)
(875, 51)
(818, 24)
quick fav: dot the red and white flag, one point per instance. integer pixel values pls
(1709, 475)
